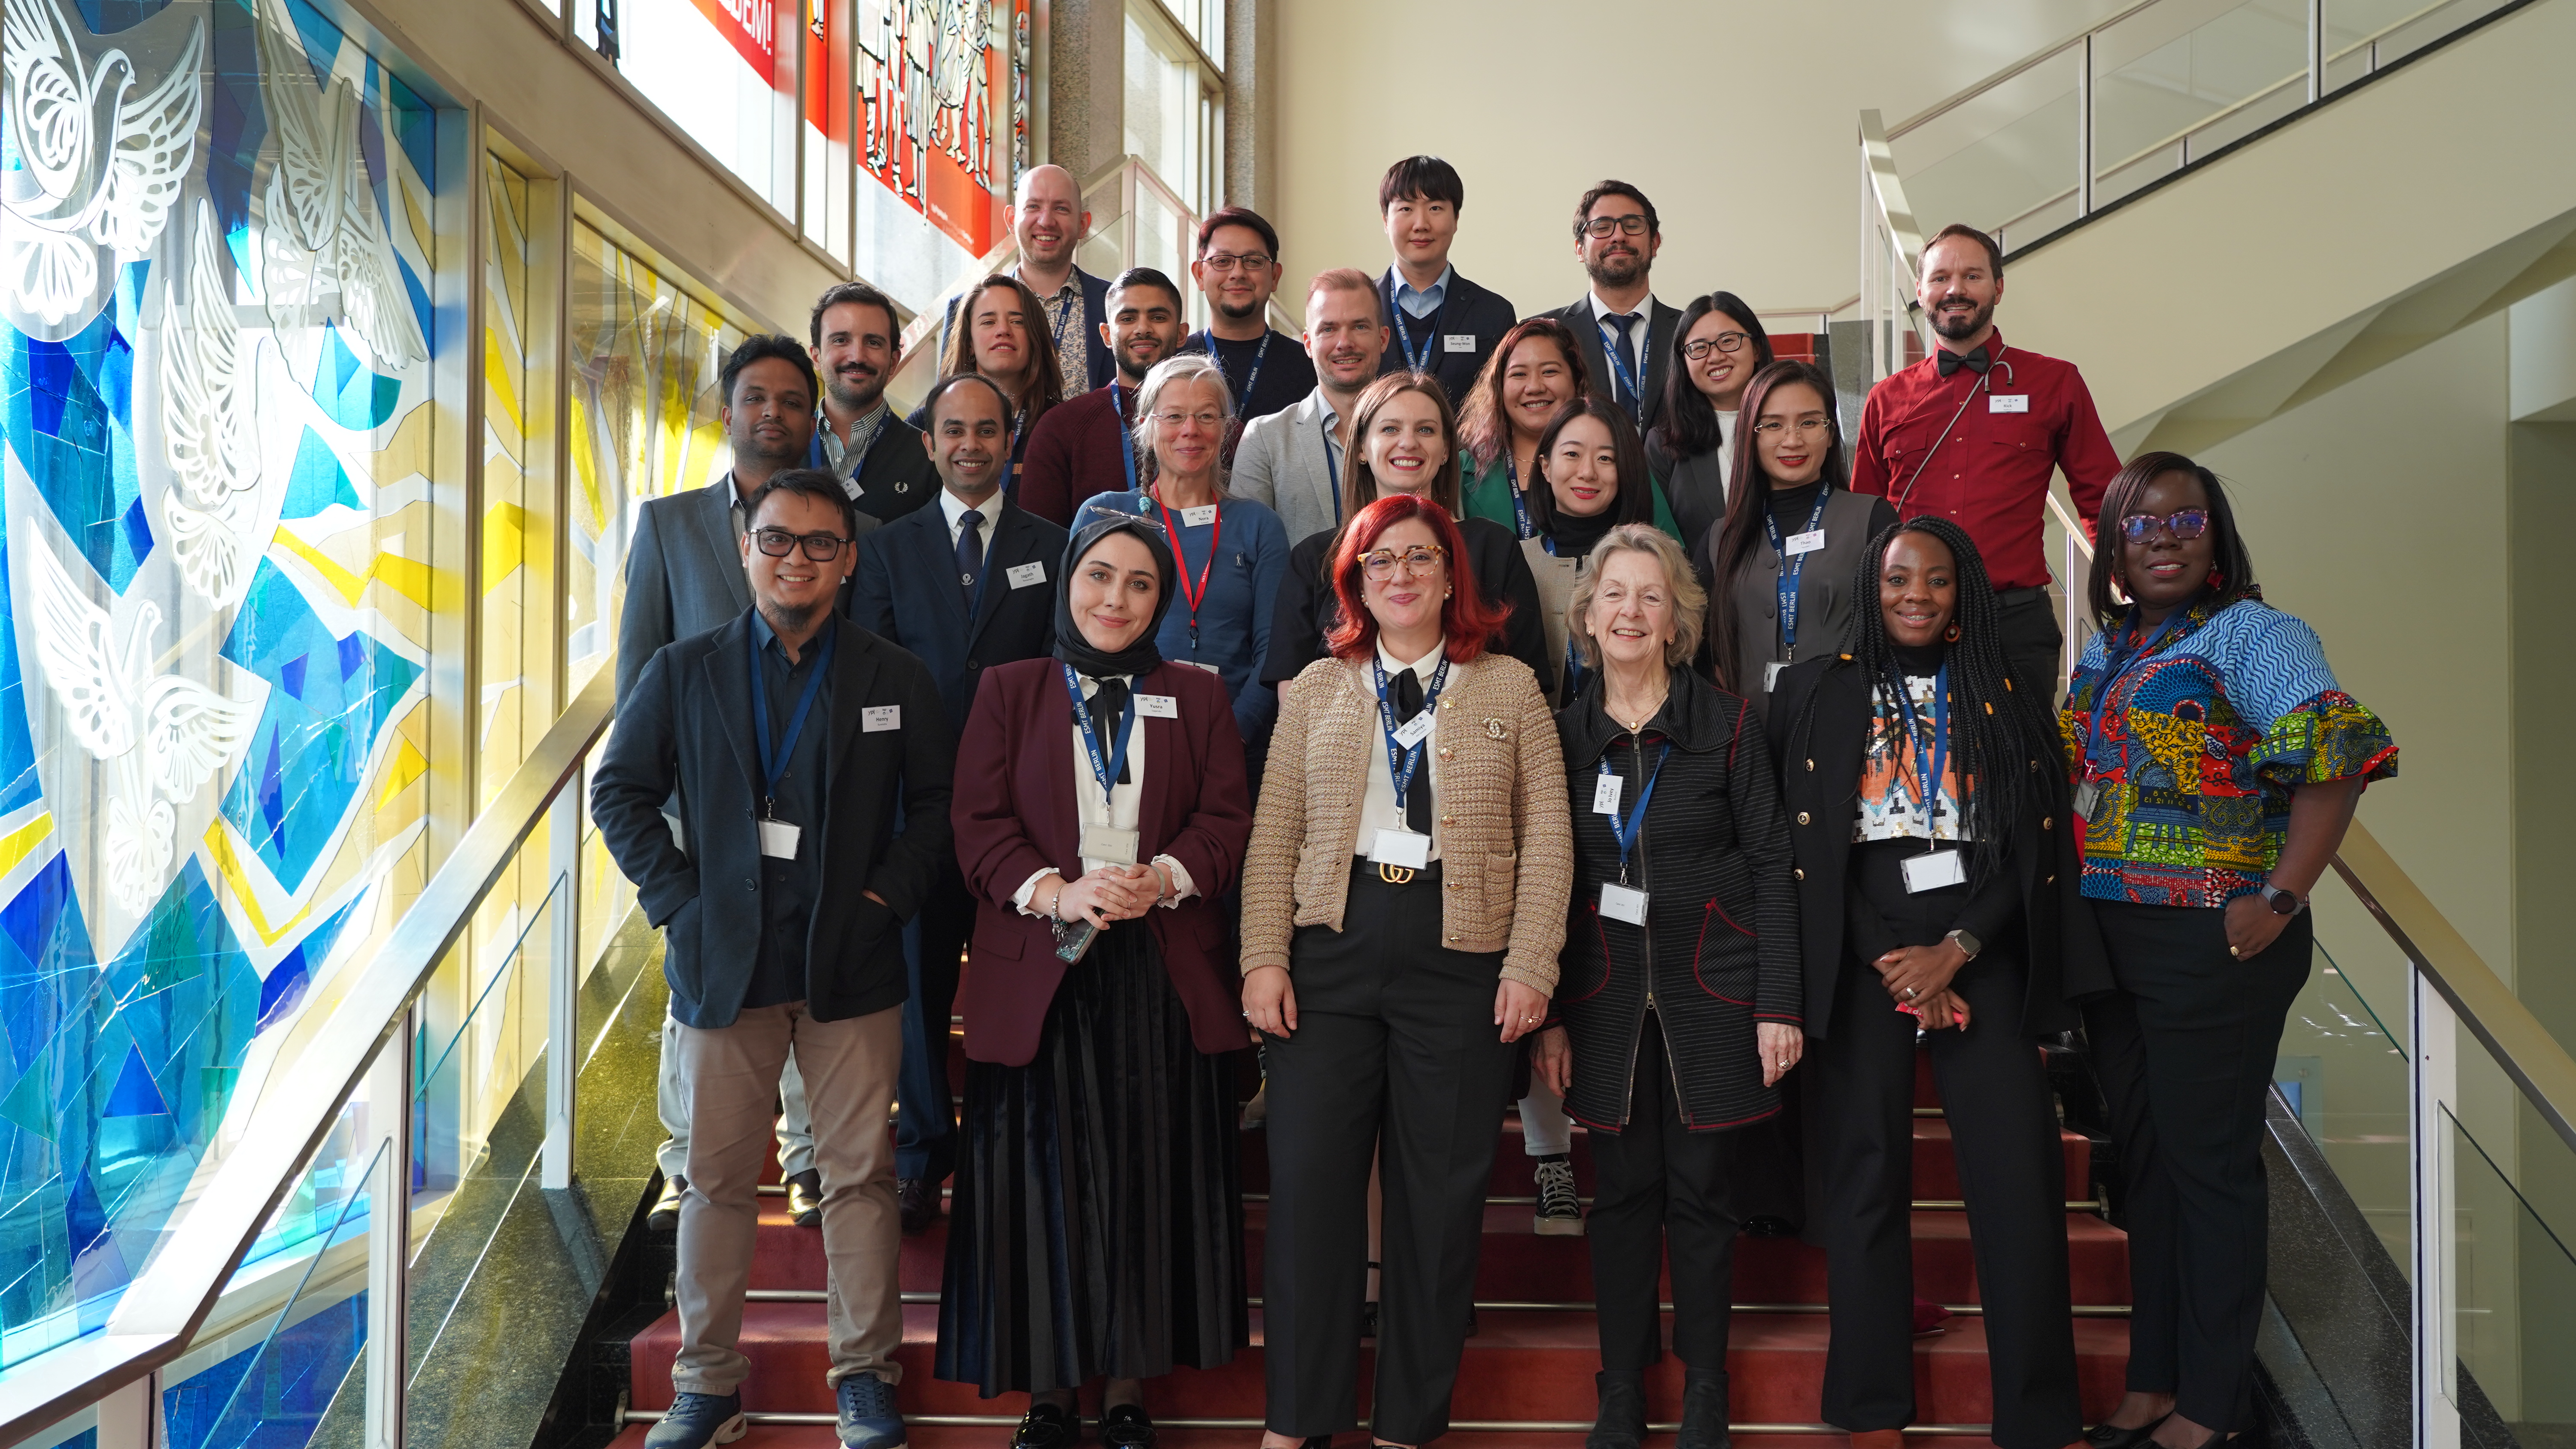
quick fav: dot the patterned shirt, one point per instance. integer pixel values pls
(2203, 740)
(1891, 776)
(1064, 319)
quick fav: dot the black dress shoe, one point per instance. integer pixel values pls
(2103, 1436)
(805, 1199)
(1704, 1405)
(1045, 1426)
(665, 1215)
(916, 1201)
(1127, 1426)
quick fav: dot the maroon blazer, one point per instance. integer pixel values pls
(1073, 455)
(1015, 816)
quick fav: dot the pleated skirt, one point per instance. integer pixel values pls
(1097, 1223)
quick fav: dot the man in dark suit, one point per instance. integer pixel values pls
(684, 576)
(1627, 335)
(1048, 222)
(1081, 449)
(878, 457)
(1440, 322)
(811, 761)
(965, 585)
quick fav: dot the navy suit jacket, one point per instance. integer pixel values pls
(1661, 319)
(1095, 311)
(906, 590)
(1466, 310)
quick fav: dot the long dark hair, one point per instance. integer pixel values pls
(1635, 502)
(2000, 731)
(1688, 426)
(1045, 387)
(1746, 496)
(2233, 566)
(1484, 424)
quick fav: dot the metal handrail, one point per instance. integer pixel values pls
(164, 1306)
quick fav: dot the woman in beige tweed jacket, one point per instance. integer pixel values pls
(1404, 899)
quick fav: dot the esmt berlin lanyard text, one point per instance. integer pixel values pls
(774, 757)
(1790, 567)
(1190, 596)
(1937, 751)
(1105, 769)
(1418, 361)
(1610, 349)
(1626, 831)
(1252, 379)
(1400, 761)
(1520, 506)
(1126, 436)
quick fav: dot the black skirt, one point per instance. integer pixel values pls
(1097, 1227)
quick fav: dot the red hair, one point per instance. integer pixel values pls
(1466, 619)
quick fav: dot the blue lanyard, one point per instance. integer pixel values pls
(1520, 506)
(1333, 471)
(1126, 435)
(1106, 771)
(1627, 831)
(1610, 350)
(1573, 670)
(1073, 309)
(774, 758)
(2115, 663)
(1418, 361)
(1790, 568)
(1401, 762)
(1251, 379)
(1938, 750)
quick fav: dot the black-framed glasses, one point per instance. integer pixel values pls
(1634, 224)
(779, 543)
(1228, 261)
(1700, 347)
(2181, 523)
(1380, 564)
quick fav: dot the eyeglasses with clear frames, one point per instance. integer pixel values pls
(1229, 261)
(1380, 563)
(1203, 419)
(1773, 427)
(779, 543)
(1701, 347)
(1633, 224)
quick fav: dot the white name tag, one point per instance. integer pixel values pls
(1210, 668)
(1158, 706)
(1025, 575)
(2008, 402)
(778, 839)
(1100, 842)
(1199, 517)
(1605, 795)
(1620, 903)
(1932, 872)
(2088, 795)
(1412, 731)
(1771, 676)
(876, 719)
(1401, 847)
(1458, 342)
(1808, 542)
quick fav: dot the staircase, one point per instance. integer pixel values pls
(1526, 1381)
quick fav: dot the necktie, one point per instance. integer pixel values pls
(1627, 345)
(970, 553)
(1107, 704)
(1949, 362)
(1417, 800)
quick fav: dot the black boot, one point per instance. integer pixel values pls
(1621, 1421)
(1703, 1410)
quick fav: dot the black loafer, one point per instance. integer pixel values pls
(665, 1214)
(2103, 1436)
(1045, 1426)
(916, 1204)
(805, 1199)
(1127, 1426)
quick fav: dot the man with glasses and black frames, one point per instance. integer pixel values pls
(1238, 268)
(1626, 334)
(965, 586)
(1974, 432)
(811, 766)
(684, 576)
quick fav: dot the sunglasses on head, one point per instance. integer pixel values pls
(2181, 523)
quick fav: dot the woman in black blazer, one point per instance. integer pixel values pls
(1964, 916)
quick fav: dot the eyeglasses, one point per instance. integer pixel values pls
(2181, 523)
(1722, 342)
(1174, 420)
(1228, 261)
(1773, 427)
(1633, 224)
(778, 543)
(1380, 564)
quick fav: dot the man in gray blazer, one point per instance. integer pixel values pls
(684, 576)
(1292, 460)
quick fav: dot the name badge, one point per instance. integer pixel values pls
(1458, 342)
(2087, 796)
(1808, 542)
(876, 719)
(1771, 676)
(1605, 795)
(1025, 575)
(1620, 903)
(1100, 842)
(1210, 668)
(1158, 706)
(778, 839)
(1932, 871)
(1199, 517)
(1412, 731)
(1401, 847)
(2008, 402)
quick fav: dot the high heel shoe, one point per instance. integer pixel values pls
(2104, 1436)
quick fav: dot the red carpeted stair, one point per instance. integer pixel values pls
(1527, 1375)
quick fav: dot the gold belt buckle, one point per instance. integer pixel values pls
(1395, 874)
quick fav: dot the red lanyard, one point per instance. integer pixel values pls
(1190, 596)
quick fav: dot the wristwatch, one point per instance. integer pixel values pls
(1965, 942)
(2282, 902)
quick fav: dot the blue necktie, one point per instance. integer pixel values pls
(1627, 345)
(970, 553)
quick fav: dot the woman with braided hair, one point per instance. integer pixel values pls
(1937, 885)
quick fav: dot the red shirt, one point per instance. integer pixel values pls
(1990, 474)
(1073, 455)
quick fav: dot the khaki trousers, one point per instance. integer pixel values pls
(732, 1074)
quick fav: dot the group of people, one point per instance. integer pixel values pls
(1462, 709)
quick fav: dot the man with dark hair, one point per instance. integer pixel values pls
(1238, 268)
(1082, 448)
(1626, 334)
(684, 576)
(964, 586)
(1975, 431)
(1442, 323)
(1048, 223)
(1293, 460)
(806, 851)
(857, 344)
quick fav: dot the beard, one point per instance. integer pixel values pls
(788, 618)
(1133, 372)
(1959, 327)
(856, 397)
(1615, 271)
(1238, 311)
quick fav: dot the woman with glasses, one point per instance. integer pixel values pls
(1592, 478)
(1717, 349)
(2217, 764)
(1404, 898)
(1232, 551)
(1002, 334)
(1097, 1232)
(1782, 560)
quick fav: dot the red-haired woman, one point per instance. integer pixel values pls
(1404, 899)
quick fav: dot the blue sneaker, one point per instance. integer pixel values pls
(869, 1419)
(696, 1420)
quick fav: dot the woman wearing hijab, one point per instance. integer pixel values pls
(1097, 1231)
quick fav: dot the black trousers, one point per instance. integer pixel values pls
(2032, 638)
(925, 1129)
(1395, 1044)
(1860, 1142)
(1656, 1181)
(2185, 1049)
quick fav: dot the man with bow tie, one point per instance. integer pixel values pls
(1973, 433)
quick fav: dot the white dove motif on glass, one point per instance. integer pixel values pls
(218, 514)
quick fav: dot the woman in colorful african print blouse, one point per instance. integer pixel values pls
(2217, 764)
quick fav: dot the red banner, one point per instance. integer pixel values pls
(939, 96)
(751, 27)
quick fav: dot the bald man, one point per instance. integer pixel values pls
(1048, 222)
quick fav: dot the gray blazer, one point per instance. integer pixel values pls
(1281, 463)
(683, 574)
(1826, 603)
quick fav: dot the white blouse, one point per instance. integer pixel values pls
(1116, 808)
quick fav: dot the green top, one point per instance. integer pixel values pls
(1489, 494)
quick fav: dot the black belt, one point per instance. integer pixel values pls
(2010, 597)
(1365, 869)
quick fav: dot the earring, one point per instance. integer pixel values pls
(1951, 634)
(2217, 580)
